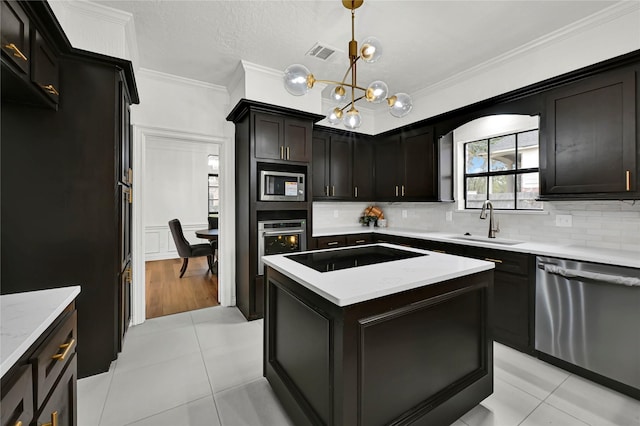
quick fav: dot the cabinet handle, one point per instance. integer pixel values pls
(128, 274)
(129, 176)
(356, 192)
(333, 190)
(332, 243)
(16, 52)
(360, 241)
(403, 190)
(18, 423)
(628, 178)
(67, 347)
(488, 259)
(54, 420)
(129, 192)
(326, 190)
(288, 153)
(50, 89)
(396, 190)
(282, 152)
(439, 251)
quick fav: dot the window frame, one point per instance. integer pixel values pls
(488, 174)
(209, 175)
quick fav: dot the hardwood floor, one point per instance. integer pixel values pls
(167, 294)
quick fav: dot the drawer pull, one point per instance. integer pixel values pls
(403, 190)
(50, 89)
(282, 152)
(360, 241)
(332, 243)
(54, 420)
(396, 190)
(60, 357)
(18, 423)
(628, 179)
(288, 156)
(16, 52)
(439, 251)
(488, 259)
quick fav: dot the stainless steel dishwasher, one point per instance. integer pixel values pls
(589, 315)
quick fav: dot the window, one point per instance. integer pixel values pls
(213, 185)
(502, 169)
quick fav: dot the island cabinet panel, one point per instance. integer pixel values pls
(589, 138)
(17, 398)
(422, 356)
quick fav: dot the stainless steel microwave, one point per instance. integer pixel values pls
(281, 186)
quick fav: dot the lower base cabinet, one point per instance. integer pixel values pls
(41, 388)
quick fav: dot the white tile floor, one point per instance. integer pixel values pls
(205, 368)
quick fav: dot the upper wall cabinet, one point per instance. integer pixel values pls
(363, 172)
(588, 138)
(332, 169)
(405, 166)
(280, 138)
(30, 70)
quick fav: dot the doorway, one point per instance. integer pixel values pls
(173, 182)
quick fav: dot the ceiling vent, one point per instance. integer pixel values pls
(322, 52)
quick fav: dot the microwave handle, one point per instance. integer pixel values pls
(289, 231)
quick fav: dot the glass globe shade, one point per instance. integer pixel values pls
(338, 94)
(377, 92)
(352, 119)
(335, 116)
(400, 105)
(295, 79)
(371, 49)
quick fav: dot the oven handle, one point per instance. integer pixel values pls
(289, 231)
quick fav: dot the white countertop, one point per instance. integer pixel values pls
(25, 316)
(348, 286)
(581, 253)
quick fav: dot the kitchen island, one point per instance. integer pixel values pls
(350, 341)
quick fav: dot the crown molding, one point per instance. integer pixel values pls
(261, 68)
(99, 11)
(608, 14)
(171, 78)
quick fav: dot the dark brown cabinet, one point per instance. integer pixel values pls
(267, 137)
(589, 138)
(405, 167)
(72, 159)
(41, 386)
(29, 62)
(331, 166)
(363, 172)
(15, 36)
(280, 138)
(332, 241)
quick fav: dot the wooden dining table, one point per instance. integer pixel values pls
(212, 236)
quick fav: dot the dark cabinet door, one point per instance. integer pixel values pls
(319, 165)
(387, 163)
(124, 145)
(60, 409)
(124, 302)
(340, 167)
(363, 170)
(588, 136)
(17, 397)
(511, 314)
(297, 140)
(15, 36)
(124, 219)
(268, 132)
(44, 68)
(419, 165)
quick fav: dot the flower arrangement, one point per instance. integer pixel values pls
(370, 216)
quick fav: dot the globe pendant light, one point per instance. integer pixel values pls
(298, 80)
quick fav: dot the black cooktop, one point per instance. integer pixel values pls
(325, 261)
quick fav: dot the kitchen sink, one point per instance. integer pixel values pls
(499, 241)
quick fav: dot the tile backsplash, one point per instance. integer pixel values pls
(604, 224)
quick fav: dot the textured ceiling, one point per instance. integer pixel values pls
(424, 41)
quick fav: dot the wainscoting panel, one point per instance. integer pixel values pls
(159, 243)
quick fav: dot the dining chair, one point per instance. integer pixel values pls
(187, 250)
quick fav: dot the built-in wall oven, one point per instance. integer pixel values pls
(279, 237)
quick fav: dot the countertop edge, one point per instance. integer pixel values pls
(9, 362)
(275, 261)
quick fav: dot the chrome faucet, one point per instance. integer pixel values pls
(493, 223)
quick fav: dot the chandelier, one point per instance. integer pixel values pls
(298, 80)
